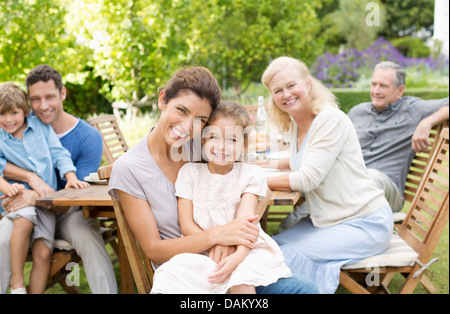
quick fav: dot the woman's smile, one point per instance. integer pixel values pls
(290, 102)
(179, 133)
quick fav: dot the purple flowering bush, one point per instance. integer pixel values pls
(346, 68)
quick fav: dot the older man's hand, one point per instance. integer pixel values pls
(420, 139)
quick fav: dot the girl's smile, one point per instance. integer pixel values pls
(224, 143)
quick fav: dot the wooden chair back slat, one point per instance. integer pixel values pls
(430, 206)
(114, 144)
(420, 162)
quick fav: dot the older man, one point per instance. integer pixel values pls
(392, 128)
(46, 94)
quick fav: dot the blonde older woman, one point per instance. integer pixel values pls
(349, 217)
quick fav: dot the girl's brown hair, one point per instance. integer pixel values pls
(234, 110)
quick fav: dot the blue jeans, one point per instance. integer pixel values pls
(293, 285)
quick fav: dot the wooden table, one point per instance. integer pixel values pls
(96, 202)
(280, 198)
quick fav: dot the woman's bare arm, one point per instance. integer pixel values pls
(143, 224)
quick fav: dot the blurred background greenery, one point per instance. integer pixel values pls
(124, 50)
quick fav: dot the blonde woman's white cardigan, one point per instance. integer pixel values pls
(333, 175)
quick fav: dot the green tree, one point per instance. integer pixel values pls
(348, 23)
(407, 17)
(136, 44)
(34, 32)
(131, 46)
(239, 38)
(343, 21)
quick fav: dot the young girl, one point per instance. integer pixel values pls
(32, 145)
(215, 193)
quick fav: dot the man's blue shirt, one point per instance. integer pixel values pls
(85, 145)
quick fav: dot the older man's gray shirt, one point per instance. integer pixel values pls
(386, 136)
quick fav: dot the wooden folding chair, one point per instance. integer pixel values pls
(417, 170)
(410, 251)
(140, 265)
(114, 144)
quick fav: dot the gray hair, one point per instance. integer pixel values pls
(400, 75)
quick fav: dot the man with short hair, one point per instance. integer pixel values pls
(46, 94)
(392, 128)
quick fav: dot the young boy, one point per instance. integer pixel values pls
(32, 145)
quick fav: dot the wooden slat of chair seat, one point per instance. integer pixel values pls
(421, 230)
(140, 265)
(59, 271)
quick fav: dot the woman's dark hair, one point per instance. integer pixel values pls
(196, 79)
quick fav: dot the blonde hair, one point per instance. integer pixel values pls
(320, 96)
(12, 97)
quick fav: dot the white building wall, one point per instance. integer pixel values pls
(441, 24)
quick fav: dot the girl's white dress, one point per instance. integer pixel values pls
(216, 199)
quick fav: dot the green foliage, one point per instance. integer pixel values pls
(129, 42)
(343, 21)
(126, 49)
(348, 23)
(411, 47)
(241, 37)
(406, 17)
(137, 46)
(83, 98)
(34, 32)
(348, 98)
